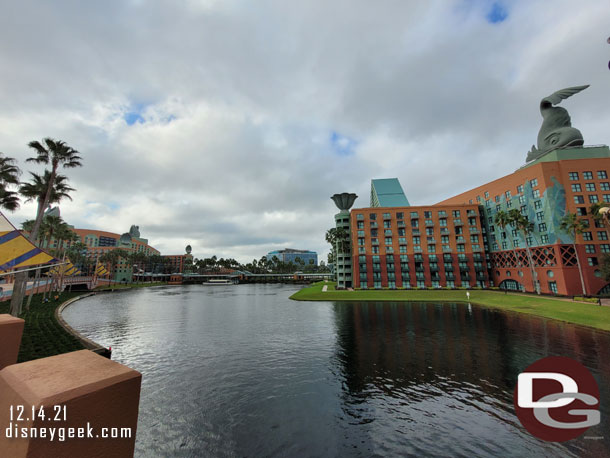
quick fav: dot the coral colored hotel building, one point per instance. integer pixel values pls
(456, 243)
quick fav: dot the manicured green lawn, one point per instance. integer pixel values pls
(564, 310)
(42, 335)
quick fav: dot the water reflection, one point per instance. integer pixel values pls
(243, 371)
(446, 372)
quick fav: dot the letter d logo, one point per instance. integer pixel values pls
(557, 399)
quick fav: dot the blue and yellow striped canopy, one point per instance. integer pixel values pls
(18, 252)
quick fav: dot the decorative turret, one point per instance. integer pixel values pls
(343, 252)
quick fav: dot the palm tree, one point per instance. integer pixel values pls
(523, 225)
(503, 219)
(9, 175)
(56, 153)
(600, 215)
(572, 225)
(37, 189)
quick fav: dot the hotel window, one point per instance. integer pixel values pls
(474, 238)
(579, 199)
(414, 223)
(544, 239)
(521, 199)
(359, 216)
(431, 248)
(498, 208)
(534, 182)
(389, 249)
(442, 214)
(373, 216)
(581, 211)
(388, 240)
(490, 220)
(542, 227)
(456, 213)
(416, 239)
(537, 205)
(373, 224)
(442, 222)
(576, 187)
(497, 199)
(507, 195)
(429, 231)
(530, 241)
(604, 248)
(386, 216)
(373, 232)
(362, 258)
(374, 241)
(387, 232)
(495, 247)
(590, 187)
(401, 231)
(602, 235)
(589, 248)
(360, 233)
(523, 209)
(504, 245)
(509, 203)
(587, 175)
(604, 186)
(516, 243)
(486, 195)
(444, 239)
(592, 261)
(400, 215)
(602, 175)
(606, 197)
(593, 199)
(360, 224)
(427, 214)
(414, 215)
(539, 216)
(387, 224)
(470, 201)
(488, 203)
(587, 236)
(573, 176)
(553, 286)
(520, 189)
(402, 248)
(375, 249)
(478, 198)
(536, 193)
(461, 247)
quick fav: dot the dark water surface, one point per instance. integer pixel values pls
(243, 371)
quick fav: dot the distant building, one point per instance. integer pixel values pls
(290, 255)
(177, 262)
(387, 192)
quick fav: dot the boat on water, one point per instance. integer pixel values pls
(220, 281)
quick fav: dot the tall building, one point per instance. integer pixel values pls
(567, 180)
(291, 255)
(461, 241)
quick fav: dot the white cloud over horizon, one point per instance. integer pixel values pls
(228, 125)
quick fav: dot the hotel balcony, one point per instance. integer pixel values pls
(457, 222)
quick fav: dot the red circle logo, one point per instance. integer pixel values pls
(557, 399)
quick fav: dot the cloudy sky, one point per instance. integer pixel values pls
(229, 124)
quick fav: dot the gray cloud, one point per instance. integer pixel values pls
(238, 104)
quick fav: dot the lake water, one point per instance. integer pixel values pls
(242, 371)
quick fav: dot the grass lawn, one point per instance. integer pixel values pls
(42, 335)
(565, 310)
